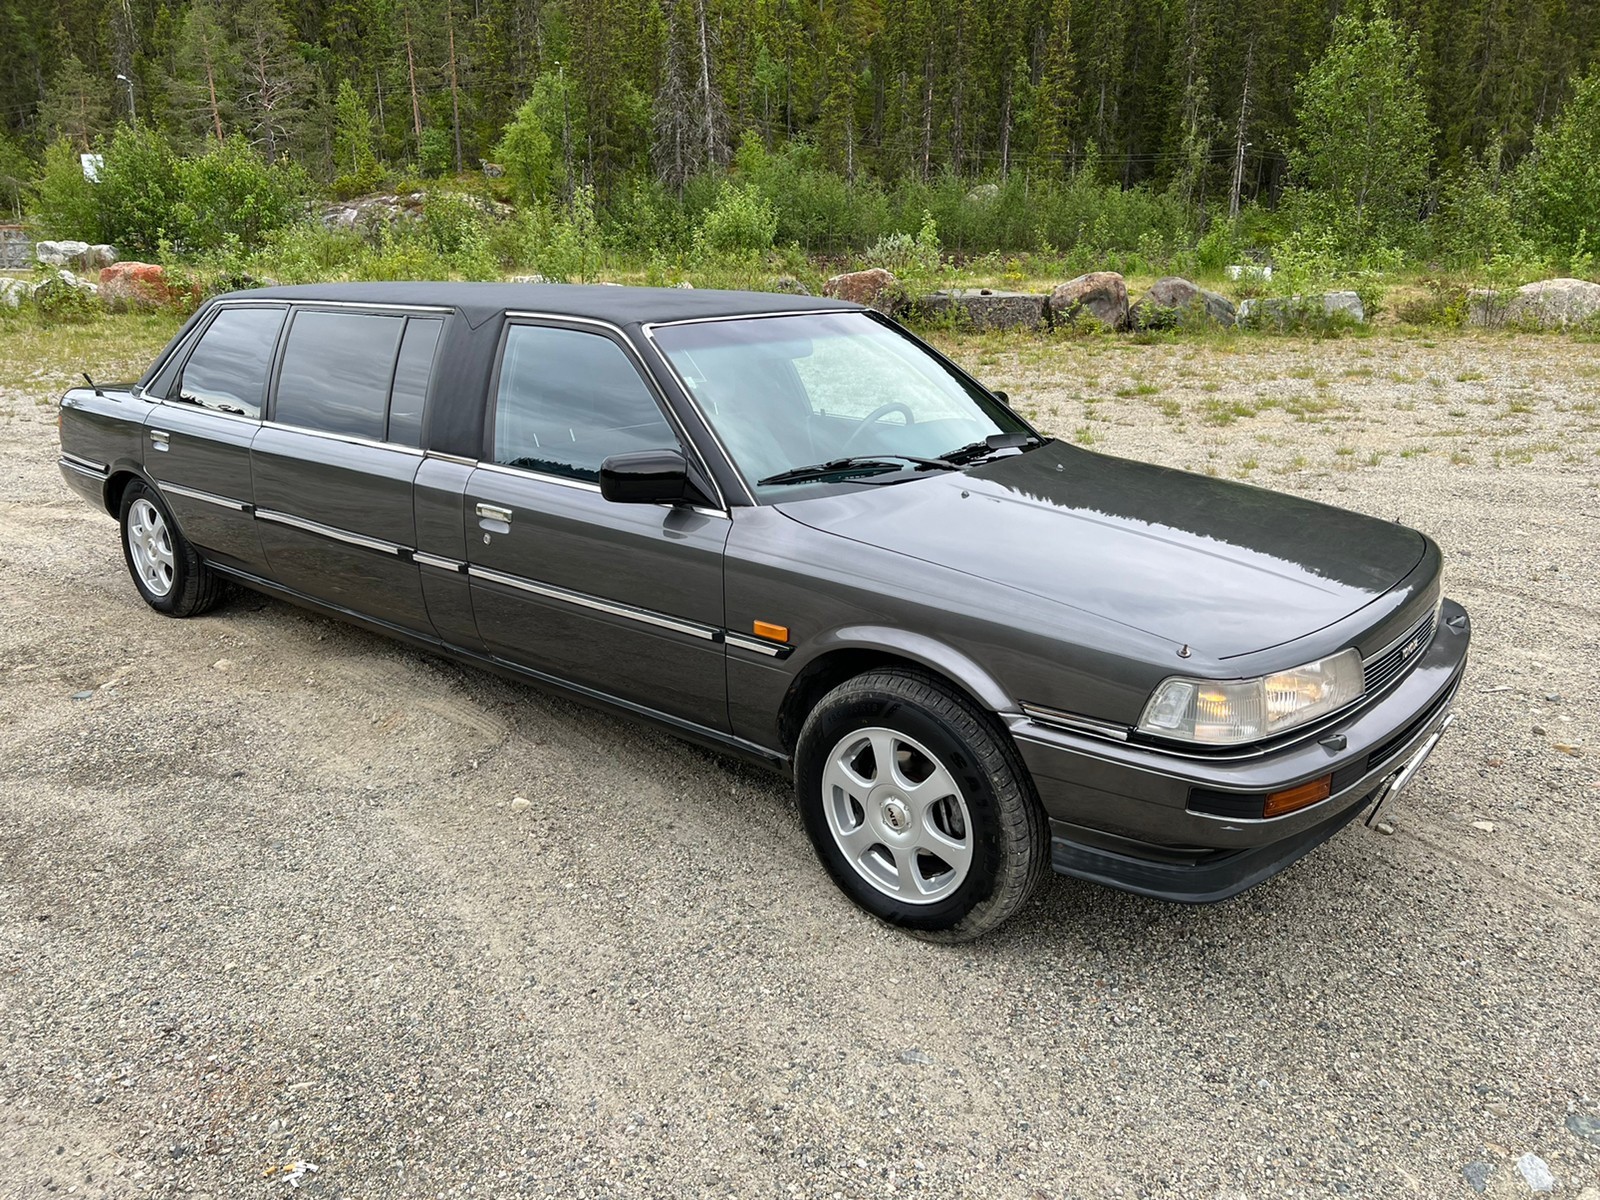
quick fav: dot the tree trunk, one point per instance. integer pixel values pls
(455, 93)
(1239, 144)
(411, 75)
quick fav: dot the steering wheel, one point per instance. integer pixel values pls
(877, 414)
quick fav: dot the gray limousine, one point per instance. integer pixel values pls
(788, 529)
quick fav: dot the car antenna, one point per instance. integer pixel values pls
(91, 383)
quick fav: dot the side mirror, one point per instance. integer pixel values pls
(1002, 397)
(645, 477)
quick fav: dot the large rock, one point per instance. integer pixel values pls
(788, 283)
(985, 309)
(1101, 295)
(100, 255)
(1176, 303)
(14, 291)
(1288, 310)
(874, 287)
(137, 285)
(367, 212)
(62, 254)
(1548, 304)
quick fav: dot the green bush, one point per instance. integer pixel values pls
(527, 153)
(139, 191)
(64, 202)
(575, 250)
(1475, 219)
(230, 192)
(455, 227)
(1557, 184)
(742, 222)
(61, 303)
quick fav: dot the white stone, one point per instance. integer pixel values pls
(1535, 1173)
(14, 291)
(520, 803)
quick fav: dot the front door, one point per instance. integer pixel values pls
(197, 443)
(623, 599)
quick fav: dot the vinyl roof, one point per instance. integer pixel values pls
(478, 302)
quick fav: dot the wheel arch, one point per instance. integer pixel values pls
(121, 476)
(850, 652)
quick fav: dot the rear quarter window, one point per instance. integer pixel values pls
(337, 367)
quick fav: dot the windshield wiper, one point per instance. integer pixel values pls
(857, 462)
(995, 441)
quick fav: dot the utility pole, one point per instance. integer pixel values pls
(133, 117)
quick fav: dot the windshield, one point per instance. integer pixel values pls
(792, 392)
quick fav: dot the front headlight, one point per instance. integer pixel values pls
(1225, 713)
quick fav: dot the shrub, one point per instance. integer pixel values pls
(1475, 221)
(59, 302)
(230, 192)
(455, 228)
(527, 153)
(139, 190)
(575, 251)
(64, 202)
(742, 222)
(1556, 185)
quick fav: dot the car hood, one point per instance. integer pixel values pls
(1223, 567)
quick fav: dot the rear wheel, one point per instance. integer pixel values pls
(164, 566)
(918, 807)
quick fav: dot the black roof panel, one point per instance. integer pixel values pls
(477, 302)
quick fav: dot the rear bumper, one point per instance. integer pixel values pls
(1121, 814)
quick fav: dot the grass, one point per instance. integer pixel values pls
(47, 360)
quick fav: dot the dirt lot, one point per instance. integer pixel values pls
(265, 898)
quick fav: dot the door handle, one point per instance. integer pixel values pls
(493, 512)
(159, 439)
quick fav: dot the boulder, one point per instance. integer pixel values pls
(493, 170)
(1548, 304)
(527, 279)
(984, 193)
(985, 309)
(1285, 310)
(874, 287)
(100, 255)
(14, 291)
(1249, 271)
(1174, 303)
(62, 254)
(366, 212)
(1101, 295)
(136, 285)
(788, 283)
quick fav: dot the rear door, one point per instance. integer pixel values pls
(334, 464)
(197, 442)
(625, 599)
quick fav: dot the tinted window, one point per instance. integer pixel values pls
(411, 373)
(228, 369)
(568, 401)
(336, 372)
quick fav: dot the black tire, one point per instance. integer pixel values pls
(194, 587)
(1005, 827)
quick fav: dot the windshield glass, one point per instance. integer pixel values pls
(790, 392)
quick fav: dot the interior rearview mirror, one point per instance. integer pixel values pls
(645, 477)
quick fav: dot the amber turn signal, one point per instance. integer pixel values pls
(766, 629)
(1299, 796)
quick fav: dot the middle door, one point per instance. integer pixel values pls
(624, 599)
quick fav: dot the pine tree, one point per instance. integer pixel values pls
(277, 84)
(1056, 100)
(206, 76)
(75, 106)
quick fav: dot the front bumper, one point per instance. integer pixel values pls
(1120, 813)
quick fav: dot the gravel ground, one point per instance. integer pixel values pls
(269, 896)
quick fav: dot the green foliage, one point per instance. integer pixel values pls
(1360, 158)
(16, 174)
(1476, 221)
(64, 202)
(58, 302)
(1558, 185)
(455, 227)
(574, 252)
(527, 154)
(229, 193)
(437, 154)
(138, 190)
(742, 222)
(353, 157)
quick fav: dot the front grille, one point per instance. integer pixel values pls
(1387, 665)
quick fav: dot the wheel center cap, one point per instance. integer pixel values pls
(896, 814)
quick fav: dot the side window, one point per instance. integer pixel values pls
(336, 372)
(228, 369)
(411, 373)
(568, 401)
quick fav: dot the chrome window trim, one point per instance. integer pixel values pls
(543, 477)
(302, 302)
(458, 459)
(205, 497)
(191, 406)
(84, 464)
(354, 439)
(656, 392)
(709, 633)
(328, 531)
(757, 645)
(788, 312)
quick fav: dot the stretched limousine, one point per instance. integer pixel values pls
(788, 529)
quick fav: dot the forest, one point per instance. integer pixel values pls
(1362, 135)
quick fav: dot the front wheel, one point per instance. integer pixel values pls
(165, 568)
(918, 807)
